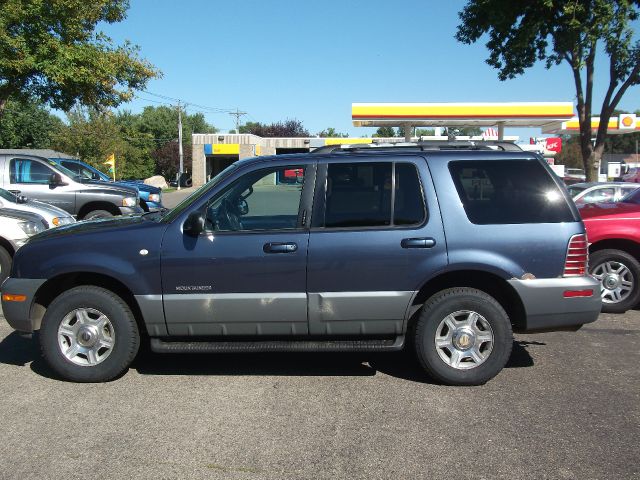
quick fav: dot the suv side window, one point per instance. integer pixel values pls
(23, 170)
(265, 199)
(362, 195)
(509, 191)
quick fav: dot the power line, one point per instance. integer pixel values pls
(183, 102)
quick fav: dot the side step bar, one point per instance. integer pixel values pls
(161, 346)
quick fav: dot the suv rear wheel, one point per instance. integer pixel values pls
(463, 336)
(89, 334)
(619, 275)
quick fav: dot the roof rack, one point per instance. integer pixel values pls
(423, 146)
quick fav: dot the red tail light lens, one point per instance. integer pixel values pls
(577, 257)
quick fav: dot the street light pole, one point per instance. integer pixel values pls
(180, 145)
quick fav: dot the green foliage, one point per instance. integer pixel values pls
(570, 156)
(288, 128)
(555, 31)
(50, 50)
(462, 131)
(332, 133)
(385, 132)
(137, 140)
(26, 124)
(425, 132)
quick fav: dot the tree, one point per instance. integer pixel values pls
(462, 131)
(162, 124)
(50, 50)
(332, 133)
(425, 132)
(167, 159)
(556, 31)
(570, 155)
(288, 128)
(385, 132)
(27, 125)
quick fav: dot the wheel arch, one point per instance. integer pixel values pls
(626, 245)
(4, 243)
(487, 282)
(53, 287)
(97, 205)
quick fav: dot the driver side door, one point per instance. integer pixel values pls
(246, 273)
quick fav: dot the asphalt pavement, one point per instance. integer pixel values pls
(567, 406)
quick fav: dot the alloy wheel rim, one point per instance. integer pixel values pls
(86, 337)
(616, 281)
(464, 339)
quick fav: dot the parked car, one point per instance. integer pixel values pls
(595, 192)
(353, 257)
(575, 173)
(613, 230)
(150, 196)
(16, 227)
(632, 175)
(44, 180)
(53, 216)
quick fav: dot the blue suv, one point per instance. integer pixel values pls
(446, 249)
(150, 196)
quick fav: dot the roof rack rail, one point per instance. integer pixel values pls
(423, 146)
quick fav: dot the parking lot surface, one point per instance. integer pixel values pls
(567, 406)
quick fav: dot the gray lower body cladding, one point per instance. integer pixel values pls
(547, 307)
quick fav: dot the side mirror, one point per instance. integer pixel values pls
(55, 180)
(22, 199)
(194, 224)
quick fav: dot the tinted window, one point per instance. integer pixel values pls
(409, 204)
(509, 191)
(259, 200)
(632, 197)
(73, 166)
(29, 171)
(358, 195)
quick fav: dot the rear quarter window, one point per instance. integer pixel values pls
(509, 191)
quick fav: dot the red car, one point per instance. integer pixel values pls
(613, 232)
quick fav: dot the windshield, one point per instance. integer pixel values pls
(573, 190)
(633, 197)
(66, 171)
(8, 196)
(174, 212)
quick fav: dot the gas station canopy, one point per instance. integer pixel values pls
(623, 123)
(510, 114)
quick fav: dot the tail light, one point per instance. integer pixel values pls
(577, 257)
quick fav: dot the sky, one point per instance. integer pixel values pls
(310, 61)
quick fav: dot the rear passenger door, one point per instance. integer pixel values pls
(376, 236)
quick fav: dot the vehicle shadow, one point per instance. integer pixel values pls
(19, 350)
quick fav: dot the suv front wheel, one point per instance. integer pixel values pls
(89, 334)
(463, 336)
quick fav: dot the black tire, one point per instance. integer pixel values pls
(5, 264)
(126, 335)
(453, 300)
(94, 214)
(596, 265)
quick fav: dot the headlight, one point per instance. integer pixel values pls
(129, 201)
(57, 221)
(31, 228)
(154, 197)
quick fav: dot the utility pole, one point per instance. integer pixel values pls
(180, 145)
(237, 114)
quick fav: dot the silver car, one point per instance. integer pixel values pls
(16, 227)
(54, 216)
(599, 192)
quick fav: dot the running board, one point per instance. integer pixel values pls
(161, 346)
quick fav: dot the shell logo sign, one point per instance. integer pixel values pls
(627, 121)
